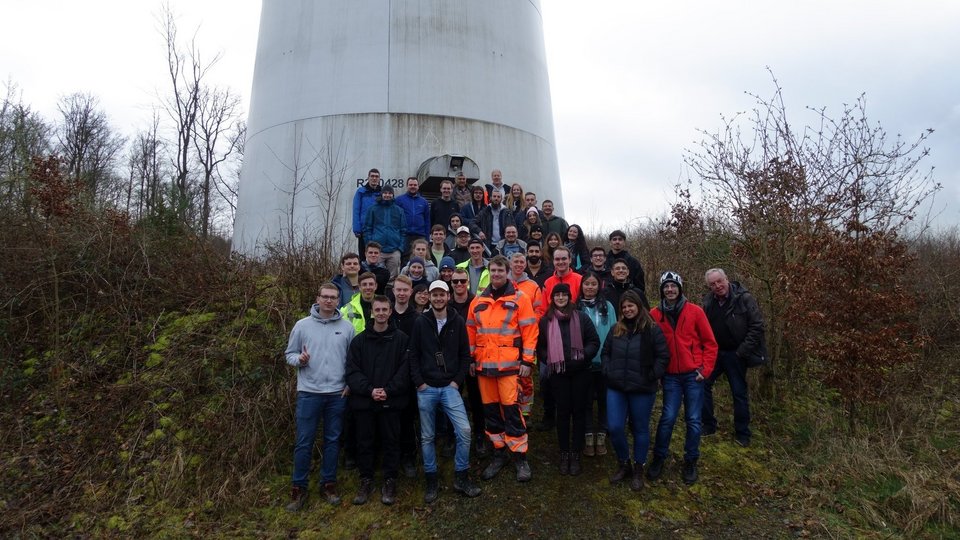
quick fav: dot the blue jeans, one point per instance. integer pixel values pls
(677, 388)
(448, 398)
(639, 406)
(311, 408)
(736, 371)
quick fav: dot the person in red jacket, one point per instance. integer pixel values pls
(693, 352)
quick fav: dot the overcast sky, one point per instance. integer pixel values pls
(632, 82)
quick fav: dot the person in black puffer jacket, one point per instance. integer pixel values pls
(379, 379)
(567, 342)
(633, 360)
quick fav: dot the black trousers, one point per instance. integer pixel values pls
(572, 394)
(386, 423)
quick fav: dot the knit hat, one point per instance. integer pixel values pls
(560, 288)
(671, 277)
(533, 209)
(536, 228)
(618, 234)
(419, 260)
(447, 262)
(386, 188)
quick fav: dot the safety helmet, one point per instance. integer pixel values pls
(671, 277)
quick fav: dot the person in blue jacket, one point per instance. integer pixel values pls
(386, 224)
(417, 211)
(363, 199)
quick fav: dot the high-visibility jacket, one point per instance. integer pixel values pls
(352, 312)
(532, 289)
(484, 276)
(502, 332)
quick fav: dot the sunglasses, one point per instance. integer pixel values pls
(458, 281)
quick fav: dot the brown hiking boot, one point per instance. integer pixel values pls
(636, 483)
(588, 445)
(330, 492)
(623, 470)
(600, 441)
(298, 498)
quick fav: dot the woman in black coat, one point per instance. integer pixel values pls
(633, 360)
(568, 341)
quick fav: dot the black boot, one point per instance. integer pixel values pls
(524, 474)
(564, 463)
(655, 469)
(623, 470)
(388, 494)
(636, 483)
(363, 493)
(462, 484)
(499, 460)
(432, 490)
(575, 468)
(690, 472)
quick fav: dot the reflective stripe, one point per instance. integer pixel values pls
(497, 439)
(470, 322)
(498, 366)
(528, 322)
(518, 445)
(472, 349)
(529, 351)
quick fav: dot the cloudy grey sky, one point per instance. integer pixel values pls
(632, 82)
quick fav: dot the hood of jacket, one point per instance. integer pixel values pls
(315, 313)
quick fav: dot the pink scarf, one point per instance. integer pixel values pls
(555, 359)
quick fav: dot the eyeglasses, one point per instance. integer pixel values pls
(329, 298)
(458, 281)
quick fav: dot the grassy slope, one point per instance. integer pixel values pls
(198, 443)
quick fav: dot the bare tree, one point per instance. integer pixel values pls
(300, 179)
(186, 69)
(782, 193)
(87, 144)
(145, 171)
(333, 169)
(217, 114)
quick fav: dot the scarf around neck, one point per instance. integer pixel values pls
(555, 359)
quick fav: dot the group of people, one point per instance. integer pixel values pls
(389, 346)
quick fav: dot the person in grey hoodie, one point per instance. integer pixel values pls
(317, 348)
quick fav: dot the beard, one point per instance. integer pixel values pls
(534, 259)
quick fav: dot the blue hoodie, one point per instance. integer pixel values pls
(327, 341)
(385, 223)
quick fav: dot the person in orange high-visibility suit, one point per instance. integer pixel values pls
(523, 283)
(502, 329)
